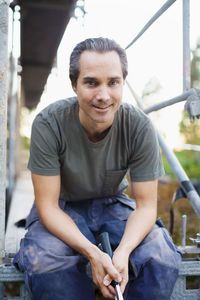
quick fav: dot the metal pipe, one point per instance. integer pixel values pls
(181, 176)
(176, 167)
(183, 231)
(4, 6)
(169, 102)
(186, 45)
(151, 21)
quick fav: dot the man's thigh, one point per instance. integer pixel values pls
(52, 269)
(115, 216)
(156, 263)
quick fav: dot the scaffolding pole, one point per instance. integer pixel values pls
(4, 7)
(186, 45)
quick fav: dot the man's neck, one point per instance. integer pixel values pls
(96, 136)
(95, 131)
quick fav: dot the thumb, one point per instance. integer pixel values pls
(107, 280)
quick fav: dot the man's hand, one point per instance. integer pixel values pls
(103, 268)
(120, 262)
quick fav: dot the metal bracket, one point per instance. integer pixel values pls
(193, 106)
(6, 258)
(196, 241)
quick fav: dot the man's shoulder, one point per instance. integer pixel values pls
(132, 113)
(55, 109)
(59, 106)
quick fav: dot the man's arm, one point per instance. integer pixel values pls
(47, 191)
(139, 224)
(143, 218)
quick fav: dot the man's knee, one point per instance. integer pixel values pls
(159, 247)
(155, 264)
(53, 271)
(41, 252)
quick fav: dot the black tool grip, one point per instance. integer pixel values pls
(106, 247)
(105, 243)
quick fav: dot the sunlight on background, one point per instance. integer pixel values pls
(155, 60)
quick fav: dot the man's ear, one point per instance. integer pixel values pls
(74, 88)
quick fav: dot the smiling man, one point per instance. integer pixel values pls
(99, 90)
(81, 150)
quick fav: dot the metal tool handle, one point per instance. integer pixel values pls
(106, 247)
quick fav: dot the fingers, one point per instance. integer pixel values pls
(104, 272)
(101, 266)
(107, 282)
(112, 274)
(120, 262)
(108, 292)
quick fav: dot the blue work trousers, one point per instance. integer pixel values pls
(54, 271)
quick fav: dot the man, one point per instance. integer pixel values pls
(81, 150)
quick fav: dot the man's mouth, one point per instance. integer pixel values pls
(102, 108)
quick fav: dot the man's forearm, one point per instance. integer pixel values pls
(62, 226)
(138, 226)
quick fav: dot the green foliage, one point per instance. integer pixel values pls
(25, 142)
(189, 161)
(190, 131)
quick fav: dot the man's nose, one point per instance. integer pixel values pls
(103, 94)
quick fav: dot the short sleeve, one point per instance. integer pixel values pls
(44, 149)
(145, 160)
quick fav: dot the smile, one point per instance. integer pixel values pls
(103, 109)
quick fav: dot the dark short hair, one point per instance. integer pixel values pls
(100, 45)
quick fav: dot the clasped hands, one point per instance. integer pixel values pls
(105, 269)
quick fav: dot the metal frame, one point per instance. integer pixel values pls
(186, 45)
(180, 292)
(9, 273)
(170, 156)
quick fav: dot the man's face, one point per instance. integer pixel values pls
(99, 88)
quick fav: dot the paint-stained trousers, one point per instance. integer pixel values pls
(54, 271)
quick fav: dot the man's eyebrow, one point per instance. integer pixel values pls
(115, 77)
(94, 78)
(89, 78)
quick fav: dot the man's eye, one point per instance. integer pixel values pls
(91, 83)
(113, 82)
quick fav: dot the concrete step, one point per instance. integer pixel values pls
(21, 204)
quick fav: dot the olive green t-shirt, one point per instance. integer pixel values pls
(88, 170)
